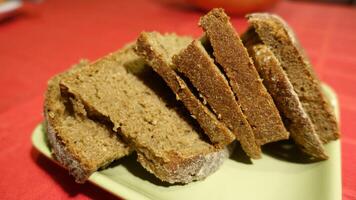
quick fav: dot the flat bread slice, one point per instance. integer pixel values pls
(79, 144)
(158, 50)
(287, 101)
(196, 64)
(279, 37)
(120, 90)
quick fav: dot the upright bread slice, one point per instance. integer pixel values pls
(278, 85)
(122, 91)
(196, 64)
(158, 50)
(79, 144)
(276, 34)
(255, 102)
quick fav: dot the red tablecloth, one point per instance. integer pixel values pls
(49, 38)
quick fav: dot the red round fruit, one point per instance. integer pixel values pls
(235, 7)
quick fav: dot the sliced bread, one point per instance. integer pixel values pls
(196, 64)
(79, 144)
(120, 90)
(278, 36)
(287, 101)
(256, 103)
(158, 50)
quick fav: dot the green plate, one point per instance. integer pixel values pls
(281, 174)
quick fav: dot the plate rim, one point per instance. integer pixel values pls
(96, 178)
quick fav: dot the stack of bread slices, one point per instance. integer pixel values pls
(180, 103)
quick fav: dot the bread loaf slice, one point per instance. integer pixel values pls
(278, 36)
(256, 103)
(287, 101)
(196, 64)
(158, 51)
(79, 144)
(120, 90)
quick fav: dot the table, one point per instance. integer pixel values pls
(48, 38)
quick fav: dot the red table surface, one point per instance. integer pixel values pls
(47, 39)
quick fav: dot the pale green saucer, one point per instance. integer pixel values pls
(277, 175)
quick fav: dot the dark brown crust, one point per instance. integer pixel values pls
(278, 85)
(244, 80)
(276, 34)
(195, 63)
(217, 132)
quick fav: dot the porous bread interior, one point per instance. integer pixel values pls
(168, 45)
(110, 90)
(196, 64)
(153, 47)
(256, 103)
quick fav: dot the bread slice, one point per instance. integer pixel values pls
(79, 144)
(196, 64)
(287, 101)
(120, 90)
(255, 101)
(158, 50)
(276, 34)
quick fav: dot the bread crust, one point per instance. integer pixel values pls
(187, 170)
(63, 156)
